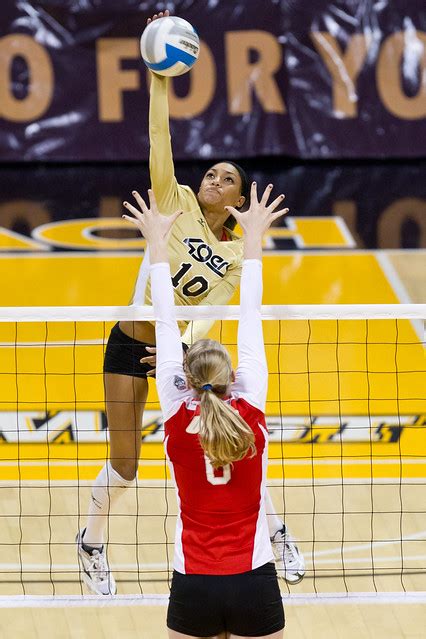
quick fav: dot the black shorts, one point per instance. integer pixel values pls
(248, 604)
(123, 353)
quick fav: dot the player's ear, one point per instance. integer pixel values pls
(240, 202)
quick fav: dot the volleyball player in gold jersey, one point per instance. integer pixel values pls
(205, 261)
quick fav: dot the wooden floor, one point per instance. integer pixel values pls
(378, 544)
(302, 622)
(350, 534)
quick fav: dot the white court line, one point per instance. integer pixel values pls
(55, 344)
(162, 567)
(283, 484)
(399, 289)
(344, 229)
(160, 462)
(93, 601)
(331, 461)
(375, 544)
(133, 567)
(49, 463)
(272, 483)
(376, 559)
(393, 278)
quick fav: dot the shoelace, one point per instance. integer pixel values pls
(291, 554)
(291, 551)
(99, 565)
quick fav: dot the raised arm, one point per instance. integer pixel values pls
(162, 171)
(251, 379)
(161, 167)
(155, 228)
(170, 376)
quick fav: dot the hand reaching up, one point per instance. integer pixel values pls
(257, 219)
(162, 14)
(154, 226)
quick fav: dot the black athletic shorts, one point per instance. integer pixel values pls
(248, 604)
(123, 353)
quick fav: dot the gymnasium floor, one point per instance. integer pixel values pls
(355, 503)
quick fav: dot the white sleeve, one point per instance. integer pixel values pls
(141, 281)
(251, 379)
(170, 377)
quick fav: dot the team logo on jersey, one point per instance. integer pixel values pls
(179, 382)
(202, 252)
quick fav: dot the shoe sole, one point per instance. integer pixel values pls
(294, 581)
(85, 577)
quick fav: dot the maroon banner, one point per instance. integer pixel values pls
(321, 79)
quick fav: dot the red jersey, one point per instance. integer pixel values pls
(221, 524)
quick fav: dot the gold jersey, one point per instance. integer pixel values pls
(204, 270)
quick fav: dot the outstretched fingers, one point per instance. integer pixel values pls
(232, 210)
(134, 211)
(146, 210)
(273, 205)
(276, 214)
(266, 194)
(235, 212)
(162, 14)
(152, 201)
(132, 220)
(141, 202)
(175, 216)
(253, 192)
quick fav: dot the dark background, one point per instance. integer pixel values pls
(386, 201)
(370, 169)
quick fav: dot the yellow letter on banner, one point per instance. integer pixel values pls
(201, 91)
(245, 76)
(399, 51)
(41, 79)
(112, 79)
(344, 69)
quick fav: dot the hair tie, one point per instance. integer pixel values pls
(206, 387)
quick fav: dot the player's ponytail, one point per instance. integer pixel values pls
(224, 435)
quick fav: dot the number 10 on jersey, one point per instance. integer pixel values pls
(197, 285)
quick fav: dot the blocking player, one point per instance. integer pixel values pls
(224, 582)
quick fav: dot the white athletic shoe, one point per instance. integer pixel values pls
(95, 569)
(289, 562)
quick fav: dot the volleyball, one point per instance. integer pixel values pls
(170, 46)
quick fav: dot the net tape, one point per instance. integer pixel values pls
(269, 312)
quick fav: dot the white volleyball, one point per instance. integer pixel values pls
(170, 46)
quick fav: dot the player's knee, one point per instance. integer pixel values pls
(126, 468)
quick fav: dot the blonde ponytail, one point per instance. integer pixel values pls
(224, 435)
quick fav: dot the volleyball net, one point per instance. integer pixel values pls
(346, 413)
